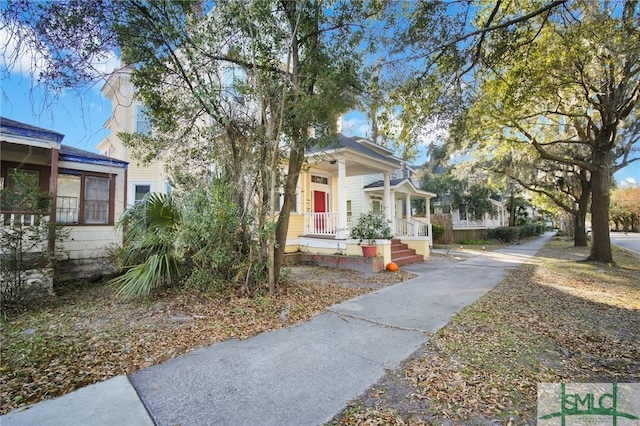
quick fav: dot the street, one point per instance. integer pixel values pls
(630, 241)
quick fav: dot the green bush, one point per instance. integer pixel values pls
(438, 231)
(214, 238)
(26, 260)
(198, 239)
(506, 234)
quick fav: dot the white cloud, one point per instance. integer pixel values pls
(630, 181)
(23, 56)
(19, 54)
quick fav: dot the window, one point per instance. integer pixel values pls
(84, 199)
(96, 200)
(462, 213)
(349, 210)
(319, 179)
(376, 206)
(68, 200)
(139, 192)
(232, 77)
(142, 121)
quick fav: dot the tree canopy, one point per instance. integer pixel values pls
(557, 98)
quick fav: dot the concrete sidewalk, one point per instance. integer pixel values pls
(302, 375)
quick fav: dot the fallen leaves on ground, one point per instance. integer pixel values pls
(85, 334)
(554, 319)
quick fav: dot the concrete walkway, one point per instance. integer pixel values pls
(302, 375)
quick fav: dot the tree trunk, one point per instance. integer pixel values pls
(512, 211)
(580, 237)
(296, 158)
(600, 197)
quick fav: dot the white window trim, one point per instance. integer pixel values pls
(131, 200)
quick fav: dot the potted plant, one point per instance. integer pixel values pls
(369, 228)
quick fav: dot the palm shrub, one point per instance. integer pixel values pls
(200, 239)
(151, 254)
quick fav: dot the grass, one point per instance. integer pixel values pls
(86, 334)
(554, 319)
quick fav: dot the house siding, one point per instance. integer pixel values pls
(89, 242)
(296, 228)
(119, 90)
(356, 195)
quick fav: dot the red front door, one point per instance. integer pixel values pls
(319, 206)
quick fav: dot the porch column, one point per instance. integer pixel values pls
(53, 191)
(386, 198)
(341, 232)
(408, 207)
(427, 207)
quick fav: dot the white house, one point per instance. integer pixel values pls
(338, 183)
(127, 116)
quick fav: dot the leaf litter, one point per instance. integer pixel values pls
(553, 319)
(86, 334)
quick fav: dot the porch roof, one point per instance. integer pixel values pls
(25, 134)
(403, 185)
(77, 155)
(361, 156)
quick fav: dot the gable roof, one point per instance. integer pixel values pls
(358, 144)
(359, 150)
(396, 183)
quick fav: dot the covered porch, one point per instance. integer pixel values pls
(340, 184)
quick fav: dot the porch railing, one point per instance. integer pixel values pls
(411, 228)
(20, 225)
(320, 223)
(25, 218)
(481, 223)
(405, 228)
(327, 224)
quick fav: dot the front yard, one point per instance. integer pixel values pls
(85, 334)
(554, 319)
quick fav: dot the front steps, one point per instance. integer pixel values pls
(402, 255)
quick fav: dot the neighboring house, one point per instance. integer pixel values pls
(127, 116)
(88, 191)
(464, 219)
(337, 185)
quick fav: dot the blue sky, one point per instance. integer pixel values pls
(80, 117)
